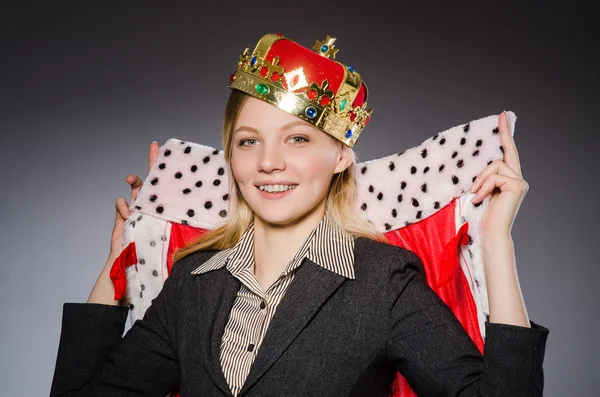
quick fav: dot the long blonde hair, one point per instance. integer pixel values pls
(339, 204)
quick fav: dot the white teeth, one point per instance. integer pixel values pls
(276, 188)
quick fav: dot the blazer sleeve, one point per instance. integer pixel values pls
(94, 360)
(431, 349)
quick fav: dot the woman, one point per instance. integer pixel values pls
(295, 276)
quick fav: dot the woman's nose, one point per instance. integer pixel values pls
(271, 158)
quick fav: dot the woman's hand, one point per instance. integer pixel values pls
(504, 182)
(122, 207)
(104, 291)
(502, 179)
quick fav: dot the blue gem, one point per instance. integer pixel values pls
(253, 61)
(311, 112)
(350, 68)
(324, 48)
(348, 133)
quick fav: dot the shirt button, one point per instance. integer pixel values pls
(263, 305)
(251, 347)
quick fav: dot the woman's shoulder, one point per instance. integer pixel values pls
(190, 262)
(373, 251)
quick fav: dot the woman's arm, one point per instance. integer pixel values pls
(93, 360)
(431, 349)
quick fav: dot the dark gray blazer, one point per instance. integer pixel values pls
(330, 336)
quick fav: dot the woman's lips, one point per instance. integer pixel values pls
(275, 195)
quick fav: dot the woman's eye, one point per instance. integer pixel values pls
(299, 139)
(248, 142)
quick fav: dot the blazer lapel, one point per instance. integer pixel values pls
(312, 285)
(215, 306)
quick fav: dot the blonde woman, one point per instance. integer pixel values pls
(296, 295)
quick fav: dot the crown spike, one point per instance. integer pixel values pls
(326, 47)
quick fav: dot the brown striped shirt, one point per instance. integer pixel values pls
(253, 308)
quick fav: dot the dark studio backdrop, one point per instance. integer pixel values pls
(87, 85)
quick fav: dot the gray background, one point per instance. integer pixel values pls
(86, 86)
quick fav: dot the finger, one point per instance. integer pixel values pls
(122, 209)
(152, 155)
(502, 182)
(135, 182)
(495, 167)
(509, 148)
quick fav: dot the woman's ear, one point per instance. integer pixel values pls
(345, 159)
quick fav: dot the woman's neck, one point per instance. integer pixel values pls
(276, 245)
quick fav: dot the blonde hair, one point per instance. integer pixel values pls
(339, 204)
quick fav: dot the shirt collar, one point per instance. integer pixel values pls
(328, 246)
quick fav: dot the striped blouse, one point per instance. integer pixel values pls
(252, 311)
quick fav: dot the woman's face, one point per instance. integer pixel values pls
(283, 165)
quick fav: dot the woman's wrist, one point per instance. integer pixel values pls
(103, 291)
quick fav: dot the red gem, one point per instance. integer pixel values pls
(231, 77)
(279, 34)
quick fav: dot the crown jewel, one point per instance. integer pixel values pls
(310, 85)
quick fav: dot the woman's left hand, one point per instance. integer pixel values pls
(503, 181)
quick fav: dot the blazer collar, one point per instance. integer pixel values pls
(327, 246)
(312, 286)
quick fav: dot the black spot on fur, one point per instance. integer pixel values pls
(476, 153)
(394, 213)
(206, 159)
(363, 206)
(186, 191)
(153, 198)
(194, 168)
(460, 163)
(463, 140)
(496, 130)
(371, 188)
(187, 150)
(167, 152)
(402, 185)
(160, 209)
(154, 181)
(190, 213)
(363, 169)
(208, 205)
(436, 205)
(162, 166)
(380, 196)
(479, 143)
(414, 202)
(442, 141)
(226, 197)
(217, 182)
(454, 154)
(221, 171)
(424, 153)
(466, 127)
(441, 168)
(392, 166)
(222, 213)
(424, 188)
(413, 169)
(454, 179)
(419, 214)
(400, 198)
(178, 175)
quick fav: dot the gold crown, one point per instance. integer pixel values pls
(325, 107)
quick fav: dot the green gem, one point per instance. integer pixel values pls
(262, 88)
(343, 104)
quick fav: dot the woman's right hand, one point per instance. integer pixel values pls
(103, 291)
